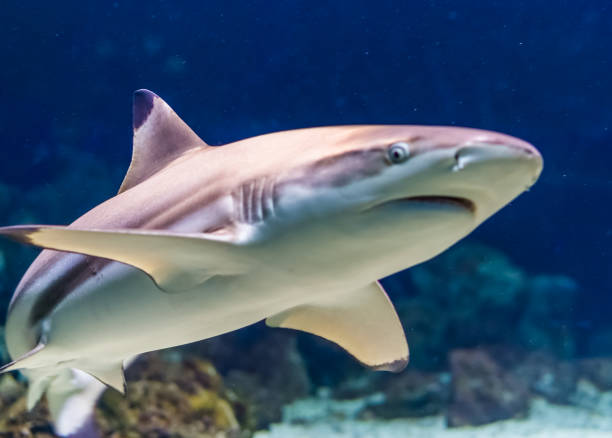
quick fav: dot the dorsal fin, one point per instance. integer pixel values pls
(160, 136)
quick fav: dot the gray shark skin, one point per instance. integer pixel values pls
(293, 227)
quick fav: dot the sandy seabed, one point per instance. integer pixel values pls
(544, 421)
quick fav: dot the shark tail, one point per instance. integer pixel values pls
(72, 396)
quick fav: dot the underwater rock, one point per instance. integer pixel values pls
(482, 392)
(548, 377)
(414, 394)
(547, 320)
(598, 371)
(588, 396)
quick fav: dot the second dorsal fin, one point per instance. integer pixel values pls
(160, 136)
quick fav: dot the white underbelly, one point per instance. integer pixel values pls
(123, 313)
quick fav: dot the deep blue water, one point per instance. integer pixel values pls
(539, 70)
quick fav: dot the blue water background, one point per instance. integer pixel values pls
(539, 70)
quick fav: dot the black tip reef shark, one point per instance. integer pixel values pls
(293, 227)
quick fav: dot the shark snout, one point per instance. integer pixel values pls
(491, 169)
(516, 144)
(499, 148)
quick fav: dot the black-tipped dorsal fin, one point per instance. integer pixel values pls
(160, 136)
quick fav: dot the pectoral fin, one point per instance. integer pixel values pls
(176, 262)
(362, 322)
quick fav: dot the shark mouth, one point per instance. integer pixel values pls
(451, 201)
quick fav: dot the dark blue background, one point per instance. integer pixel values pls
(539, 70)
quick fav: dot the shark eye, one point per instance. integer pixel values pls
(398, 152)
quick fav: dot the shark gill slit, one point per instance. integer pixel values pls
(255, 201)
(260, 203)
(251, 201)
(242, 200)
(238, 198)
(268, 198)
(247, 202)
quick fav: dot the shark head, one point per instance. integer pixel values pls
(405, 193)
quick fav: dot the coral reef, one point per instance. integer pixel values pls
(184, 397)
(500, 381)
(15, 420)
(482, 392)
(168, 395)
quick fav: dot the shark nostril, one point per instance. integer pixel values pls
(459, 162)
(528, 151)
(511, 142)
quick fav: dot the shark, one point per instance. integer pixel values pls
(295, 228)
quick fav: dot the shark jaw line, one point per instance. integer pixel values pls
(431, 200)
